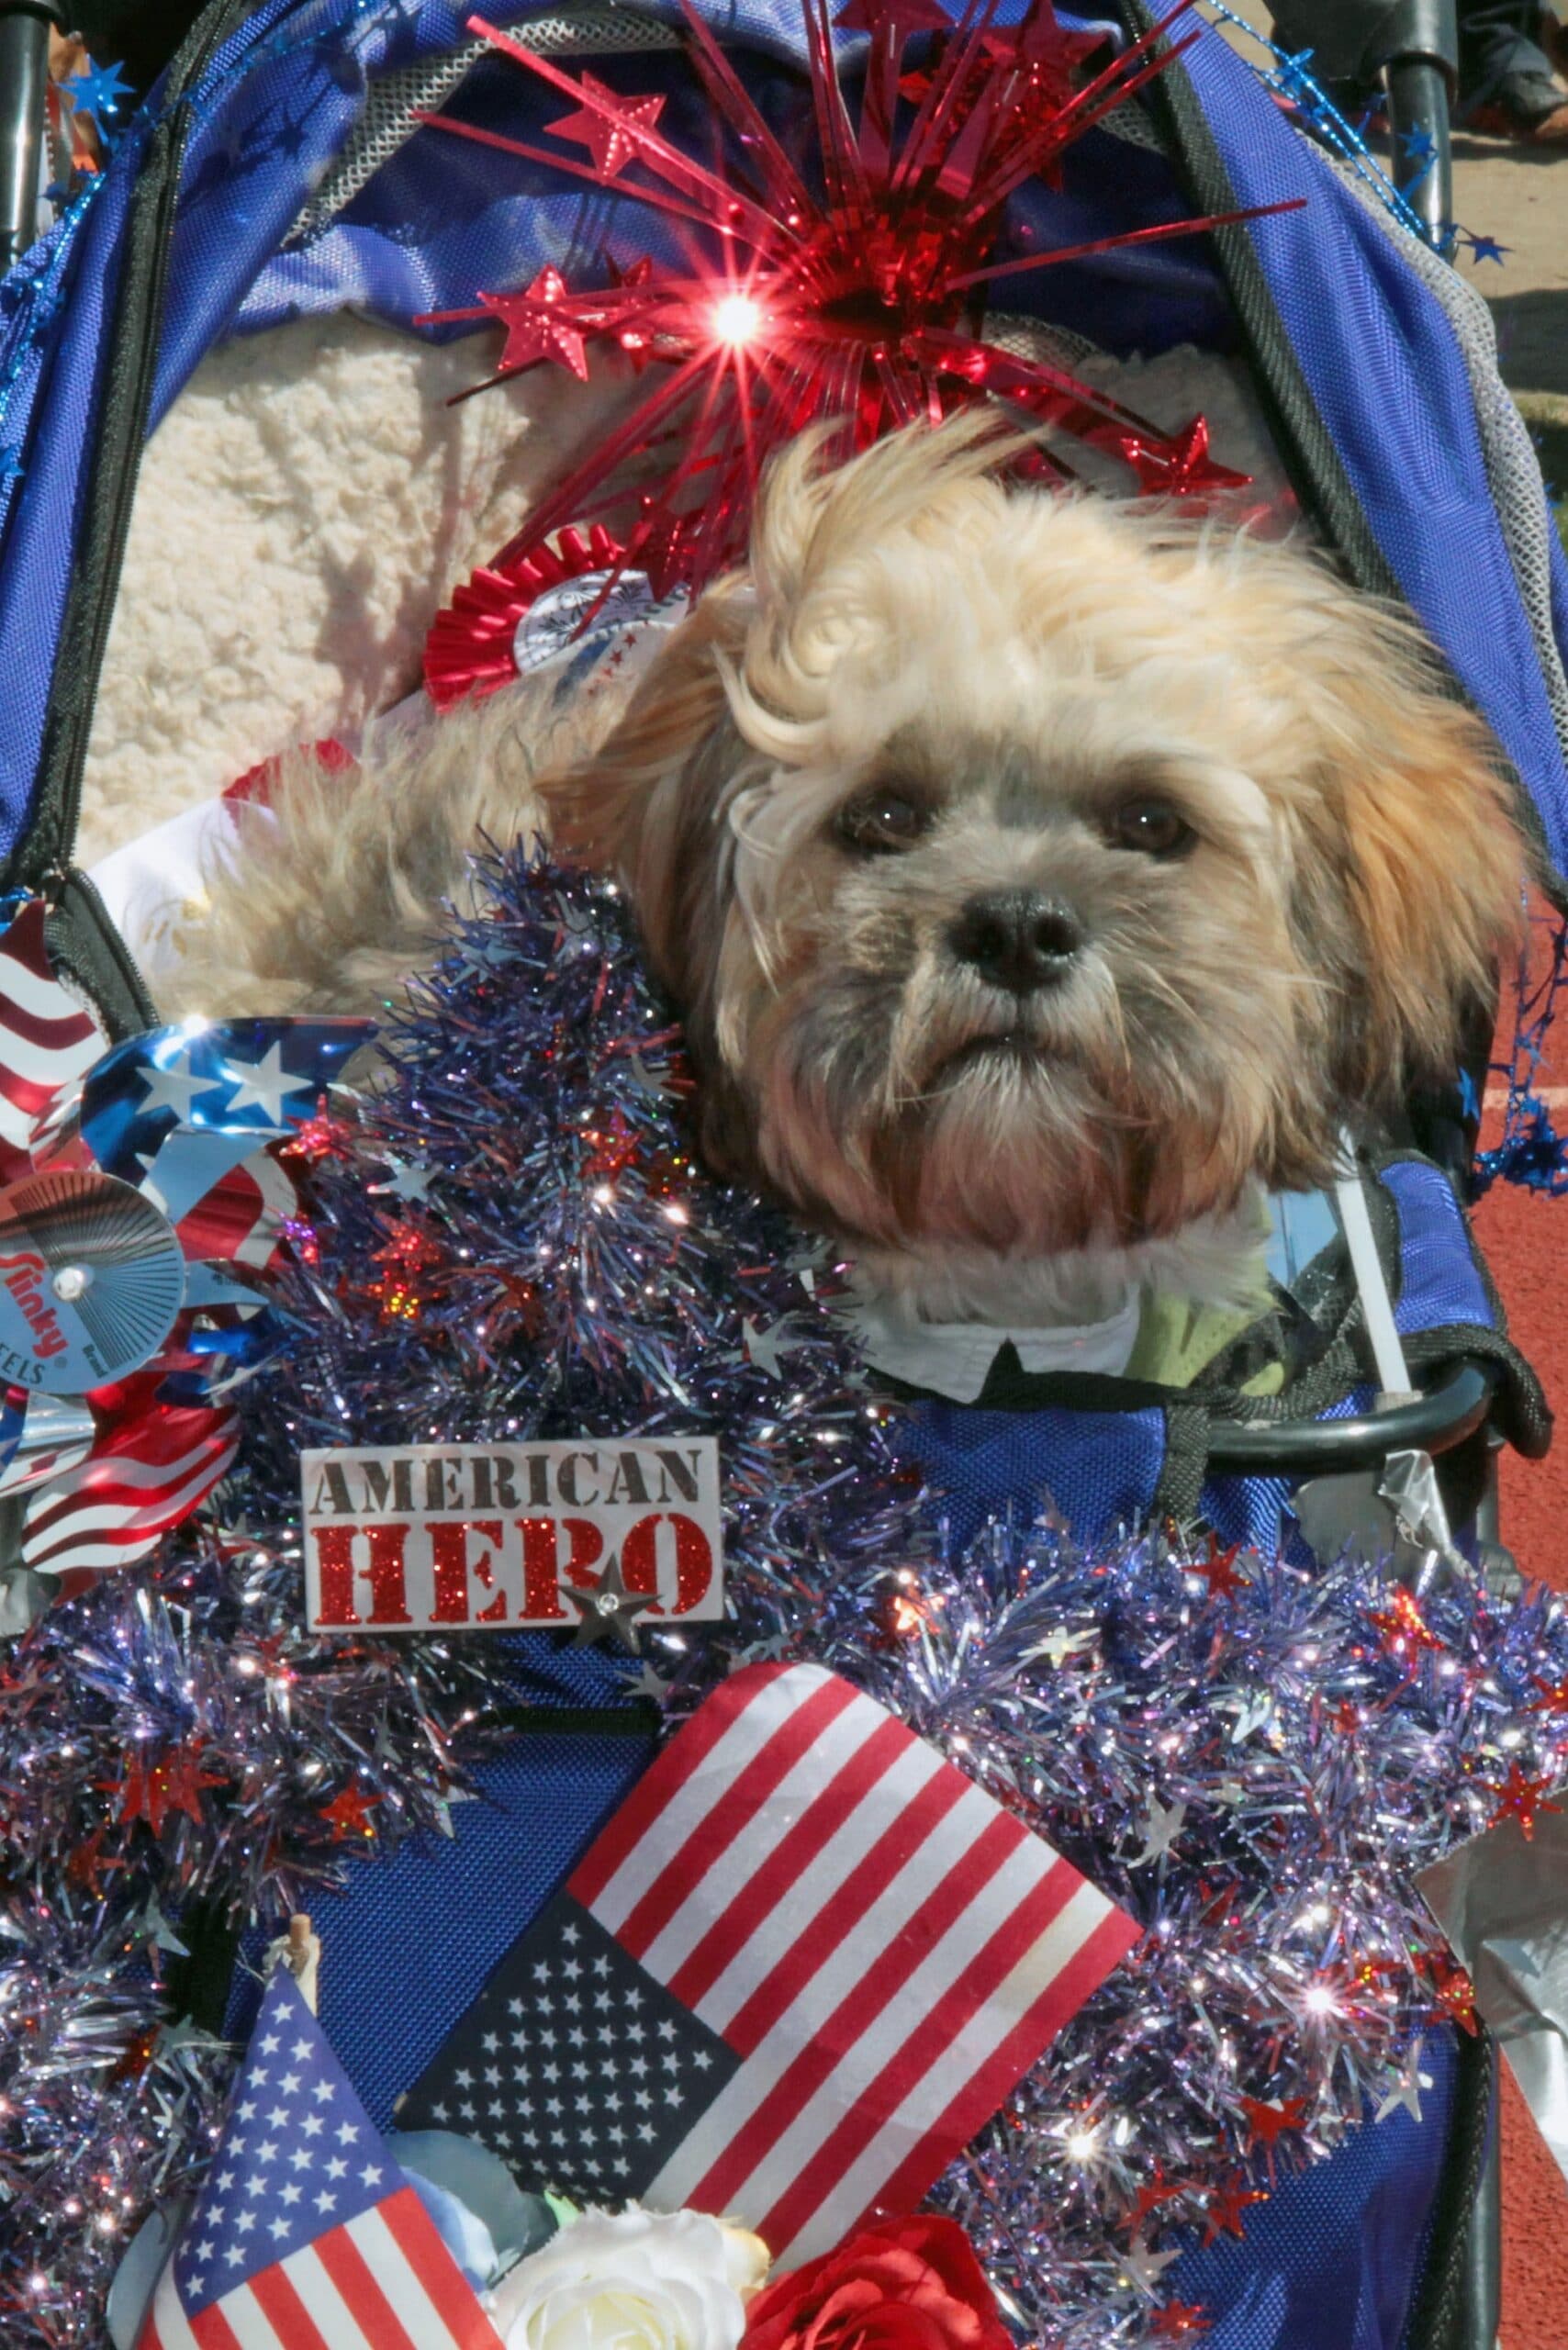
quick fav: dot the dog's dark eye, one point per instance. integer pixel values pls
(879, 822)
(1152, 826)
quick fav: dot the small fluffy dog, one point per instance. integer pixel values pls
(1038, 876)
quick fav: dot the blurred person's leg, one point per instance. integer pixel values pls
(1506, 81)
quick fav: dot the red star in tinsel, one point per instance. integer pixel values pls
(409, 1248)
(1453, 1996)
(348, 1814)
(322, 1136)
(1268, 2122)
(1218, 1570)
(1553, 1699)
(1228, 2201)
(1160, 2189)
(539, 326)
(611, 139)
(1180, 2322)
(1402, 1624)
(152, 1789)
(854, 304)
(1523, 1799)
(89, 1864)
(615, 1149)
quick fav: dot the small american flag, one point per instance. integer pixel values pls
(803, 1964)
(48, 1039)
(307, 2236)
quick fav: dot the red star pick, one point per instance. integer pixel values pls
(1268, 2122)
(537, 327)
(409, 1248)
(348, 1814)
(1227, 2202)
(1180, 2322)
(1218, 1570)
(1159, 2190)
(1402, 1623)
(1178, 466)
(1453, 1995)
(152, 1790)
(1522, 1799)
(322, 1136)
(614, 1149)
(610, 135)
(1553, 1697)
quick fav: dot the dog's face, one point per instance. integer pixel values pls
(1032, 875)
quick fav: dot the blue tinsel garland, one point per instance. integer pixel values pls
(513, 1237)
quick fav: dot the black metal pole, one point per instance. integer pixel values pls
(24, 80)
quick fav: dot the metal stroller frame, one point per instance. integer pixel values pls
(1412, 46)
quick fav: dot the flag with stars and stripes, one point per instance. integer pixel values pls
(307, 2236)
(799, 1969)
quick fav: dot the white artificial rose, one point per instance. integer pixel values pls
(631, 2280)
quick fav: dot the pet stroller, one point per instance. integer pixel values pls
(278, 178)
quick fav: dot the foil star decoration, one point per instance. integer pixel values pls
(841, 286)
(1146, 2267)
(1405, 2094)
(1228, 2201)
(1522, 1799)
(539, 326)
(1267, 2123)
(1180, 2322)
(153, 1788)
(1163, 1825)
(607, 1610)
(1218, 1570)
(348, 1814)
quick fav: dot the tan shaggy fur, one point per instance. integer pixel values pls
(930, 694)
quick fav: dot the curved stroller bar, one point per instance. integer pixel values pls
(1413, 47)
(1443, 1418)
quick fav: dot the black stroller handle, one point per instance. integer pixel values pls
(1434, 1423)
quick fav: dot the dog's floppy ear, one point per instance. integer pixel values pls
(644, 806)
(1409, 865)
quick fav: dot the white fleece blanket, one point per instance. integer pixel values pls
(306, 508)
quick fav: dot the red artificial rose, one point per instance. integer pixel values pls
(903, 2284)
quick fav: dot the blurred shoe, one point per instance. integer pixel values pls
(1531, 108)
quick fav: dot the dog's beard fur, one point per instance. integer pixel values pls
(1018, 667)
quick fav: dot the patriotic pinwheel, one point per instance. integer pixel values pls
(143, 1192)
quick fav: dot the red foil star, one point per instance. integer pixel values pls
(615, 1149)
(320, 1136)
(1159, 2190)
(152, 1789)
(1228, 2201)
(1523, 1799)
(840, 288)
(1403, 1627)
(1180, 2322)
(539, 326)
(1218, 1570)
(611, 138)
(1453, 1996)
(348, 1814)
(1268, 2122)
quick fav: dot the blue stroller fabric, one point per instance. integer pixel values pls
(1331, 2263)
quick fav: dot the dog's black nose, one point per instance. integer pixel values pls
(1016, 939)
